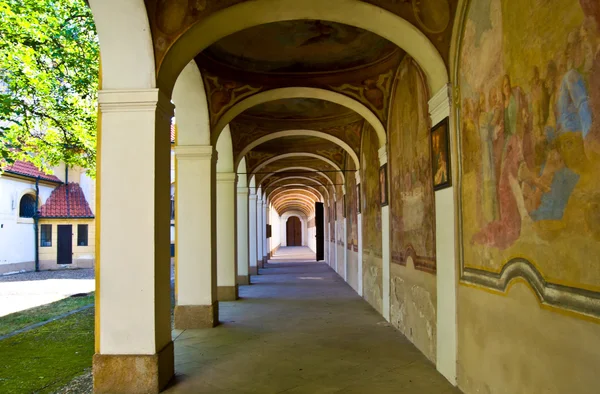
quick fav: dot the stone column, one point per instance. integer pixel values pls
(227, 288)
(195, 250)
(385, 247)
(134, 351)
(252, 239)
(447, 275)
(242, 236)
(259, 232)
(264, 232)
(360, 242)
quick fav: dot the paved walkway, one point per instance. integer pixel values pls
(300, 329)
(30, 289)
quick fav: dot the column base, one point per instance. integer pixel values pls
(227, 293)
(196, 316)
(133, 374)
(252, 270)
(243, 280)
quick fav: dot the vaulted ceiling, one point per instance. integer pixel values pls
(296, 144)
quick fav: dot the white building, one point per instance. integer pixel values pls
(61, 206)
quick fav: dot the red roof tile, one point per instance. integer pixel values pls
(27, 169)
(61, 204)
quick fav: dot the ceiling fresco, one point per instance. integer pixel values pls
(244, 133)
(298, 109)
(298, 53)
(169, 19)
(300, 46)
(307, 162)
(299, 144)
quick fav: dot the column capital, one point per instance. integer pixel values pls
(193, 151)
(439, 105)
(132, 100)
(383, 156)
(242, 191)
(226, 177)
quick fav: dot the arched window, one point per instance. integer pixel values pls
(27, 206)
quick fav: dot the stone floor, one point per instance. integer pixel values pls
(299, 328)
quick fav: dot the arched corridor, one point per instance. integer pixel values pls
(438, 160)
(300, 329)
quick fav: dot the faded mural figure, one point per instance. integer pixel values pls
(531, 153)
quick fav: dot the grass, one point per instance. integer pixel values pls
(48, 357)
(18, 320)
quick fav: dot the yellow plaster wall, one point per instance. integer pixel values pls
(81, 254)
(508, 344)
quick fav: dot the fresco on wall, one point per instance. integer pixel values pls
(412, 208)
(412, 212)
(530, 127)
(371, 218)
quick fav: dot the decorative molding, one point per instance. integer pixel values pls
(193, 151)
(135, 100)
(577, 300)
(226, 177)
(439, 105)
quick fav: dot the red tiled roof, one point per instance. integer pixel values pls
(27, 169)
(61, 204)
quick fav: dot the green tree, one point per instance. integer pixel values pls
(49, 56)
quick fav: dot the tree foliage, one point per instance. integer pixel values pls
(49, 56)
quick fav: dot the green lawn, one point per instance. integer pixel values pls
(18, 320)
(46, 358)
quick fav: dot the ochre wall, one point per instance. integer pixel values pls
(83, 256)
(371, 219)
(351, 223)
(412, 273)
(529, 134)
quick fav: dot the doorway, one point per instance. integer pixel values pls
(294, 231)
(64, 254)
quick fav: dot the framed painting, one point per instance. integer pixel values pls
(383, 186)
(440, 154)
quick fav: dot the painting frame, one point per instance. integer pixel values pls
(440, 149)
(383, 185)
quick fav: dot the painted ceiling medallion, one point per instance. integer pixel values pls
(432, 15)
(171, 15)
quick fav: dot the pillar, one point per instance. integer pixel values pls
(385, 247)
(134, 351)
(227, 288)
(360, 241)
(195, 250)
(264, 231)
(259, 233)
(243, 277)
(446, 277)
(252, 239)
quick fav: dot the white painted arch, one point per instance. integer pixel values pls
(302, 92)
(299, 154)
(191, 108)
(303, 178)
(126, 46)
(306, 189)
(300, 199)
(296, 133)
(329, 181)
(253, 13)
